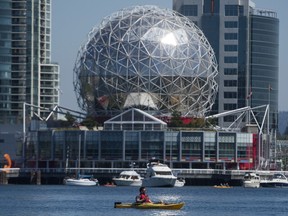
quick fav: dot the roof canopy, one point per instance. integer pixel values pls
(134, 119)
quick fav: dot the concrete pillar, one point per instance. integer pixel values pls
(38, 177)
(3, 178)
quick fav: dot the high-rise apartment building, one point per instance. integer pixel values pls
(26, 72)
(246, 42)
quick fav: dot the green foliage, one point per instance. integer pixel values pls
(89, 122)
(70, 118)
(176, 120)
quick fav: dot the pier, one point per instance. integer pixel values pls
(199, 177)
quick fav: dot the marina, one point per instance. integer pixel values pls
(193, 177)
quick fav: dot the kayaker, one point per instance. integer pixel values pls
(143, 197)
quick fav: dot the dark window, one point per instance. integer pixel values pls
(231, 10)
(231, 36)
(231, 48)
(189, 10)
(230, 83)
(230, 59)
(230, 94)
(229, 118)
(231, 24)
(229, 106)
(230, 71)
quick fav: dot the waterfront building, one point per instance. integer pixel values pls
(245, 40)
(26, 72)
(136, 136)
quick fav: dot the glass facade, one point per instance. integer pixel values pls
(265, 64)
(25, 44)
(118, 148)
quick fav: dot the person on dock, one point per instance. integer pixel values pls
(143, 197)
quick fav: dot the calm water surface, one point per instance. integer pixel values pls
(61, 200)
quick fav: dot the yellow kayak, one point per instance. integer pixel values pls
(170, 206)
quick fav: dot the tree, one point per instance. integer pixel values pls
(176, 119)
(70, 118)
(89, 122)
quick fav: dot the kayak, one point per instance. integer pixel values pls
(170, 206)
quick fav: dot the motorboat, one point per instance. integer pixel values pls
(167, 206)
(158, 175)
(251, 180)
(81, 180)
(277, 180)
(180, 182)
(128, 178)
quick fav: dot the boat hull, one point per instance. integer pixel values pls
(251, 184)
(179, 183)
(274, 184)
(123, 182)
(169, 206)
(79, 182)
(158, 182)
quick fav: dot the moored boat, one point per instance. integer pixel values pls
(128, 178)
(251, 180)
(169, 206)
(158, 175)
(277, 180)
(81, 181)
(180, 182)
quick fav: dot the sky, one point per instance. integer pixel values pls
(72, 20)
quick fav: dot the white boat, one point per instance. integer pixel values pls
(180, 182)
(128, 178)
(81, 181)
(251, 180)
(277, 180)
(158, 175)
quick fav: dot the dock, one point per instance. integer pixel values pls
(193, 177)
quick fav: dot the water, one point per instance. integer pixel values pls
(61, 200)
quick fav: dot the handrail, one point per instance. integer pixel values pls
(143, 170)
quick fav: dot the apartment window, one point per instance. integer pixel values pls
(231, 10)
(230, 106)
(230, 83)
(231, 24)
(231, 48)
(230, 94)
(231, 36)
(229, 118)
(189, 10)
(230, 59)
(230, 71)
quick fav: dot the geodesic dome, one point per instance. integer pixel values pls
(148, 58)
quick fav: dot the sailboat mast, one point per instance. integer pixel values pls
(79, 148)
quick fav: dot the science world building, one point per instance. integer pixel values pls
(146, 57)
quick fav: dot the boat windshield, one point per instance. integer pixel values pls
(163, 173)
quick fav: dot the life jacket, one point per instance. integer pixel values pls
(144, 197)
